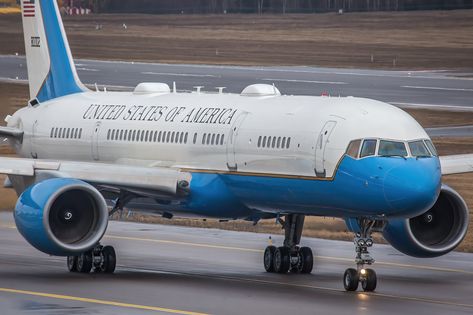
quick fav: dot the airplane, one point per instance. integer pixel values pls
(84, 155)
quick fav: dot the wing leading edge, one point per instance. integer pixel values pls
(456, 164)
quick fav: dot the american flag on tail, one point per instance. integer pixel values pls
(28, 8)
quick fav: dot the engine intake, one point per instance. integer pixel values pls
(434, 233)
(61, 216)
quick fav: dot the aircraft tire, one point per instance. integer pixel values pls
(72, 263)
(307, 260)
(351, 279)
(268, 258)
(282, 260)
(109, 259)
(84, 262)
(370, 281)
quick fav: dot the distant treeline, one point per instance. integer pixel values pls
(272, 6)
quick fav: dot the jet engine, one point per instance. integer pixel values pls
(61, 216)
(434, 233)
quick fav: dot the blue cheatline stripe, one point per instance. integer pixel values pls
(60, 80)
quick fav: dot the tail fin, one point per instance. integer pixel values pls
(51, 70)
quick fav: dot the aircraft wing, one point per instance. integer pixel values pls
(141, 180)
(455, 164)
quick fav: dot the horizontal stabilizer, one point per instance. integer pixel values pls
(8, 132)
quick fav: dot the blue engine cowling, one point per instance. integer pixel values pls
(434, 233)
(61, 216)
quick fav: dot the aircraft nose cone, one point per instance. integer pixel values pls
(413, 187)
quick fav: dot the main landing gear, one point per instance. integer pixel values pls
(365, 276)
(101, 258)
(289, 257)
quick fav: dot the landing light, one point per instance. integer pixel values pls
(363, 272)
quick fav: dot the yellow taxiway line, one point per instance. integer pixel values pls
(101, 302)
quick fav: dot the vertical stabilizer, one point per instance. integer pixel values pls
(51, 70)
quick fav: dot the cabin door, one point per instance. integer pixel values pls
(232, 141)
(320, 146)
(95, 141)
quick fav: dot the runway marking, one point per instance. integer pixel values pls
(436, 88)
(102, 302)
(183, 243)
(87, 69)
(260, 281)
(182, 74)
(304, 81)
(401, 265)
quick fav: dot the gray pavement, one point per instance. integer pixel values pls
(403, 88)
(167, 269)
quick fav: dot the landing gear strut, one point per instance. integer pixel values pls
(101, 258)
(289, 257)
(365, 276)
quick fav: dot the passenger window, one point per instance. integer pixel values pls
(143, 135)
(185, 137)
(133, 135)
(213, 139)
(264, 141)
(125, 134)
(181, 138)
(419, 149)
(278, 145)
(274, 142)
(172, 137)
(203, 138)
(68, 132)
(55, 132)
(80, 133)
(121, 134)
(195, 138)
(168, 136)
(368, 148)
(392, 148)
(108, 134)
(159, 136)
(353, 148)
(288, 142)
(208, 139)
(147, 135)
(431, 147)
(52, 132)
(221, 139)
(155, 135)
(283, 143)
(259, 141)
(217, 139)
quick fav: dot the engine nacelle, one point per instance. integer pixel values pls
(61, 216)
(434, 233)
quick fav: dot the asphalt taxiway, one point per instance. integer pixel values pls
(178, 270)
(447, 89)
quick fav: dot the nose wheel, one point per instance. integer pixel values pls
(100, 259)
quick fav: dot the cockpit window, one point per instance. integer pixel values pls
(392, 148)
(418, 149)
(368, 148)
(353, 148)
(431, 147)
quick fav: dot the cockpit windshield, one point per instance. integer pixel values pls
(418, 149)
(362, 148)
(392, 148)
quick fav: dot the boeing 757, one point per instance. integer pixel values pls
(84, 155)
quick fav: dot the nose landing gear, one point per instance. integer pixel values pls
(290, 257)
(365, 276)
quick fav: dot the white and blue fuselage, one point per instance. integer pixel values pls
(251, 154)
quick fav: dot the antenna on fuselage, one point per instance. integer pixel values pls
(174, 89)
